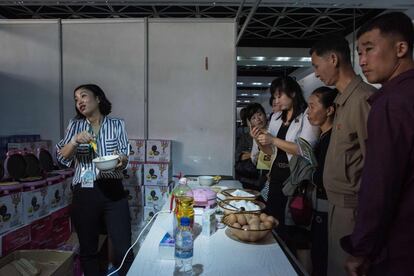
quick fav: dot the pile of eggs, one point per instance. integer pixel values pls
(250, 221)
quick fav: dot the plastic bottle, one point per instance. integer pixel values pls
(184, 202)
(184, 248)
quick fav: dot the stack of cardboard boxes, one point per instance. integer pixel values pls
(150, 163)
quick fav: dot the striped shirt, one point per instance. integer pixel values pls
(112, 137)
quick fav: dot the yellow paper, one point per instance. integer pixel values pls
(264, 161)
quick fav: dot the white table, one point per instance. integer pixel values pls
(214, 255)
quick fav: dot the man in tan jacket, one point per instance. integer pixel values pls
(345, 157)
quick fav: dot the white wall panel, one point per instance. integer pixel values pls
(193, 106)
(29, 78)
(111, 54)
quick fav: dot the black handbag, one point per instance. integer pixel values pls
(246, 168)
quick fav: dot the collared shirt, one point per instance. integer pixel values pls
(112, 137)
(385, 219)
(346, 151)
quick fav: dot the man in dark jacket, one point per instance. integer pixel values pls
(382, 242)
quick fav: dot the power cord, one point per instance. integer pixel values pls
(139, 236)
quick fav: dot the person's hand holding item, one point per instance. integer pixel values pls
(83, 137)
(265, 139)
(122, 160)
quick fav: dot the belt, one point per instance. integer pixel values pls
(321, 205)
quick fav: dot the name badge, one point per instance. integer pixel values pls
(87, 179)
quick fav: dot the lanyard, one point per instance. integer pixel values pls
(94, 144)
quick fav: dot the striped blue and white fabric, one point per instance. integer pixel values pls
(112, 138)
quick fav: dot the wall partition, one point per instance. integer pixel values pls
(168, 78)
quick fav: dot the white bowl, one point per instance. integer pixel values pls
(205, 180)
(105, 163)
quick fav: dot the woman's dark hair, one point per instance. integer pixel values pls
(291, 88)
(271, 100)
(326, 95)
(252, 109)
(105, 106)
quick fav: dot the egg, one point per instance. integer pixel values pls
(246, 227)
(263, 217)
(248, 216)
(262, 226)
(241, 219)
(254, 220)
(236, 225)
(268, 225)
(254, 225)
(271, 219)
(230, 219)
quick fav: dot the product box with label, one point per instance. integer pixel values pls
(47, 262)
(35, 201)
(149, 212)
(30, 146)
(157, 174)
(133, 194)
(133, 174)
(158, 151)
(136, 214)
(17, 239)
(11, 207)
(157, 195)
(137, 151)
(56, 193)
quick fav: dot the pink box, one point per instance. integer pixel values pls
(157, 195)
(13, 240)
(11, 207)
(41, 229)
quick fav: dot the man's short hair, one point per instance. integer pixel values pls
(338, 45)
(393, 23)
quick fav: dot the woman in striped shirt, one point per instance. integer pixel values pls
(98, 196)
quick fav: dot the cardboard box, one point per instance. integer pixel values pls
(41, 229)
(35, 204)
(137, 152)
(149, 212)
(133, 194)
(136, 214)
(133, 174)
(157, 174)
(11, 211)
(67, 191)
(18, 238)
(158, 151)
(56, 195)
(31, 146)
(49, 262)
(157, 196)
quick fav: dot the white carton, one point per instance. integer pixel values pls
(158, 151)
(11, 211)
(36, 204)
(133, 174)
(137, 152)
(133, 194)
(157, 195)
(157, 174)
(149, 212)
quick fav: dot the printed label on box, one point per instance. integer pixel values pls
(149, 212)
(56, 196)
(157, 195)
(11, 211)
(157, 174)
(133, 174)
(36, 204)
(133, 194)
(158, 151)
(137, 152)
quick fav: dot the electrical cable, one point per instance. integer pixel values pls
(135, 242)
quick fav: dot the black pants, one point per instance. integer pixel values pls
(106, 202)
